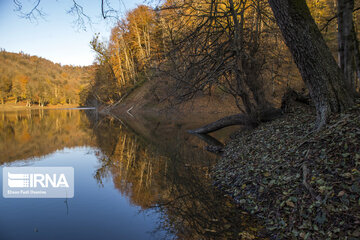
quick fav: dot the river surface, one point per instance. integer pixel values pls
(135, 178)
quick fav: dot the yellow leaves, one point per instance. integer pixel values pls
(25, 137)
(131, 45)
(290, 203)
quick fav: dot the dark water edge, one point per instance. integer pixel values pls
(135, 178)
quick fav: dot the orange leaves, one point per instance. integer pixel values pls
(23, 80)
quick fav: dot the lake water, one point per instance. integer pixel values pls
(137, 178)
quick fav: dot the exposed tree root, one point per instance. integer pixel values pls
(269, 114)
(239, 119)
(306, 184)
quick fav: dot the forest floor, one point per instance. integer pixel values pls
(303, 184)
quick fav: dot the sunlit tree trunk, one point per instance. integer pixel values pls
(141, 50)
(28, 103)
(122, 78)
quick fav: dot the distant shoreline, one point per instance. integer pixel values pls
(22, 106)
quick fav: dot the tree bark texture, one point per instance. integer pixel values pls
(346, 41)
(357, 59)
(312, 56)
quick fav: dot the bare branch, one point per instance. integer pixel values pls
(81, 18)
(328, 22)
(107, 11)
(33, 14)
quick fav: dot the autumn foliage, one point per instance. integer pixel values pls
(201, 47)
(40, 81)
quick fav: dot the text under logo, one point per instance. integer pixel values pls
(38, 182)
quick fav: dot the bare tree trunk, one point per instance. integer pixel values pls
(340, 34)
(238, 119)
(357, 59)
(346, 41)
(317, 66)
(122, 78)
(141, 50)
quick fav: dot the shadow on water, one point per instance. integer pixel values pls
(158, 166)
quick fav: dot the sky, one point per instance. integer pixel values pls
(56, 36)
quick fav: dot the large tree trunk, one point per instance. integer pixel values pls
(317, 66)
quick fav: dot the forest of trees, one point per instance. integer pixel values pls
(238, 47)
(251, 50)
(36, 80)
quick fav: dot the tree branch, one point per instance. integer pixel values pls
(335, 17)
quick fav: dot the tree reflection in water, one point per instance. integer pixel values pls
(160, 167)
(36, 133)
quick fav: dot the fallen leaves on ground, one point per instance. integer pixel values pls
(303, 184)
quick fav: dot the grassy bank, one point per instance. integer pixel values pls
(303, 184)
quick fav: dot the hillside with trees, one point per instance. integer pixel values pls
(35, 80)
(231, 48)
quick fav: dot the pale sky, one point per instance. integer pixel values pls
(56, 37)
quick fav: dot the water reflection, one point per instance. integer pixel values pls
(65, 138)
(28, 134)
(142, 163)
(158, 166)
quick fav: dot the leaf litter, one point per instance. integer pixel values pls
(302, 184)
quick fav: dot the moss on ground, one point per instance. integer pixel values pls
(303, 184)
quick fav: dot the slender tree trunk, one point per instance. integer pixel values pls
(28, 103)
(316, 64)
(122, 78)
(357, 59)
(340, 34)
(346, 41)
